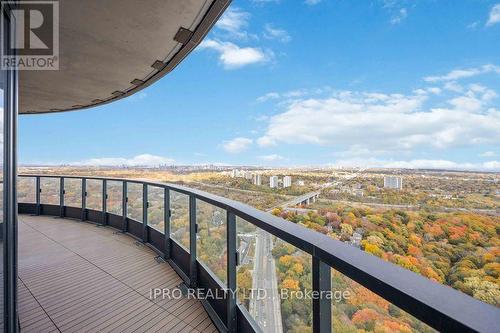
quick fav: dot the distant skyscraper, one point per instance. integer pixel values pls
(234, 173)
(256, 179)
(287, 181)
(273, 182)
(393, 182)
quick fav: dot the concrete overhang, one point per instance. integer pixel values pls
(110, 49)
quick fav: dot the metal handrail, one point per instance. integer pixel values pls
(437, 305)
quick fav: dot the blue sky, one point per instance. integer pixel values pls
(376, 83)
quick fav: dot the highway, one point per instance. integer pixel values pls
(266, 309)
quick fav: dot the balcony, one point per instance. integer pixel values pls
(144, 235)
(96, 279)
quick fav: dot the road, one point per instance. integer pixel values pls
(266, 309)
(495, 212)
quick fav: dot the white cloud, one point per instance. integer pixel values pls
(292, 94)
(273, 33)
(419, 164)
(464, 73)
(233, 56)
(494, 15)
(312, 2)
(425, 91)
(488, 154)
(268, 96)
(492, 165)
(486, 93)
(400, 16)
(467, 103)
(434, 90)
(139, 160)
(437, 164)
(237, 145)
(473, 25)
(453, 86)
(233, 22)
(384, 121)
(266, 141)
(271, 158)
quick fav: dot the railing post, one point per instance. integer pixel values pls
(145, 206)
(193, 274)
(37, 196)
(124, 206)
(232, 256)
(84, 199)
(104, 202)
(166, 222)
(61, 197)
(322, 306)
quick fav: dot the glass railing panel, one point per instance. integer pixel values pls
(355, 309)
(115, 195)
(94, 194)
(73, 192)
(274, 279)
(156, 208)
(50, 191)
(245, 245)
(179, 220)
(26, 189)
(211, 240)
(134, 203)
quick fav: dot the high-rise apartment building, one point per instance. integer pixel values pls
(273, 182)
(256, 179)
(393, 182)
(287, 181)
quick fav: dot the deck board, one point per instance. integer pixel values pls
(76, 277)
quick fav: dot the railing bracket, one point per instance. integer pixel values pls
(160, 260)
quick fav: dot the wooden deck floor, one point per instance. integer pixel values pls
(77, 277)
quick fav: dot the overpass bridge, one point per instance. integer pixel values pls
(304, 199)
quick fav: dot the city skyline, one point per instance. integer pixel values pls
(375, 88)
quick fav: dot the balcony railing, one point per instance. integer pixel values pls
(197, 233)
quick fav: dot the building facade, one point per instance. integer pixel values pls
(393, 182)
(257, 179)
(287, 181)
(273, 181)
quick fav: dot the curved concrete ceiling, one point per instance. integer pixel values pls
(114, 48)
